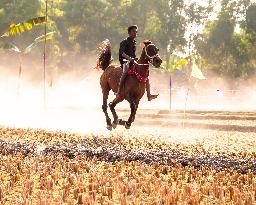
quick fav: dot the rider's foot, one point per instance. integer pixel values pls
(152, 97)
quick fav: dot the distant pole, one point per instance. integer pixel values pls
(185, 108)
(170, 86)
(188, 86)
(19, 79)
(45, 31)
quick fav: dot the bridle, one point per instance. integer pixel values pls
(133, 71)
(151, 58)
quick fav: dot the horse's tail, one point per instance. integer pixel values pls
(104, 55)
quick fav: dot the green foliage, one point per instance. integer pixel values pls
(12, 47)
(46, 37)
(12, 11)
(226, 52)
(16, 29)
(175, 62)
(250, 18)
(43, 38)
(173, 25)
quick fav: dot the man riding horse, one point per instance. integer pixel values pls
(131, 87)
(127, 52)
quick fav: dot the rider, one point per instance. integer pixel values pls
(127, 51)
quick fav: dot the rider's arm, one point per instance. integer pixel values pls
(127, 57)
(122, 47)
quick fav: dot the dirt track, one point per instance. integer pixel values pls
(218, 140)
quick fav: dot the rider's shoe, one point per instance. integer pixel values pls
(152, 97)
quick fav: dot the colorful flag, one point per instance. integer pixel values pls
(196, 72)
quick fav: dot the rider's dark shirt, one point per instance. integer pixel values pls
(127, 46)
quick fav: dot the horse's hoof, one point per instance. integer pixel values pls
(109, 127)
(127, 125)
(119, 121)
(114, 125)
(110, 105)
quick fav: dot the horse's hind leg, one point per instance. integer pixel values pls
(134, 107)
(112, 106)
(105, 92)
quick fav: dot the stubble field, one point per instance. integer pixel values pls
(165, 158)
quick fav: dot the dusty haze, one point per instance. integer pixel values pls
(73, 95)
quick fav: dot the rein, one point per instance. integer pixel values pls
(139, 64)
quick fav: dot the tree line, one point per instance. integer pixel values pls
(222, 34)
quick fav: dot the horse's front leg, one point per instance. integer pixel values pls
(134, 107)
(112, 106)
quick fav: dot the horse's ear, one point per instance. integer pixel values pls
(146, 42)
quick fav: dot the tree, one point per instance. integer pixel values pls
(14, 11)
(250, 23)
(227, 52)
(196, 18)
(171, 29)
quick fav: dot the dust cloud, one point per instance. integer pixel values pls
(73, 96)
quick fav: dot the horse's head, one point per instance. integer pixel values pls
(151, 53)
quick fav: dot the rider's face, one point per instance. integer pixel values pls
(133, 33)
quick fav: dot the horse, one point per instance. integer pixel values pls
(135, 82)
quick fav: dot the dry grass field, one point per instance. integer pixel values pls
(165, 158)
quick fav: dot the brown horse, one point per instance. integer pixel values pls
(135, 83)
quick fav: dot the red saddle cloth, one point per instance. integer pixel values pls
(141, 78)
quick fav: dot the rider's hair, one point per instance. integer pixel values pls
(132, 27)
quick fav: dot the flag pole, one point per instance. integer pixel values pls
(187, 93)
(45, 31)
(170, 86)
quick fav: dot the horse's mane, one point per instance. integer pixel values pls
(146, 42)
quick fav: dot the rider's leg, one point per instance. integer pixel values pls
(150, 97)
(122, 79)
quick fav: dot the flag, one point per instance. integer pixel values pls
(196, 72)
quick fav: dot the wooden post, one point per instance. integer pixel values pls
(19, 75)
(45, 31)
(170, 86)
